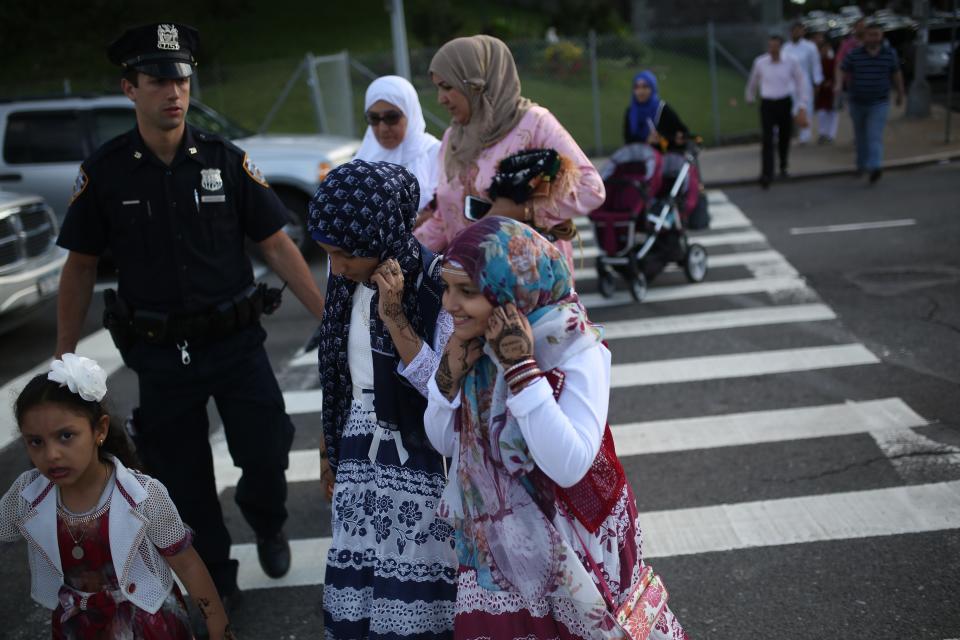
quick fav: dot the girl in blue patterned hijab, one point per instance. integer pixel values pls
(378, 347)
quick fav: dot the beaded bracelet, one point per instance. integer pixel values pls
(521, 381)
(519, 365)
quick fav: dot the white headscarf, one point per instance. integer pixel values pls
(419, 152)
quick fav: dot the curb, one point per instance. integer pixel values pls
(904, 163)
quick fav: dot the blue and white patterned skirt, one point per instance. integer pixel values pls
(391, 568)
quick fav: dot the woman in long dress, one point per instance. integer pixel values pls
(391, 570)
(538, 497)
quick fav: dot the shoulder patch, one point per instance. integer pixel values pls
(79, 185)
(253, 171)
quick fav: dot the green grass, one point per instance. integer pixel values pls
(684, 83)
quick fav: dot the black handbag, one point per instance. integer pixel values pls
(516, 173)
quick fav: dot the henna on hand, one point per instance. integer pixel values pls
(509, 335)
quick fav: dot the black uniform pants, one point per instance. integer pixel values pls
(172, 436)
(779, 114)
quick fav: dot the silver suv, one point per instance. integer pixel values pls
(30, 260)
(44, 141)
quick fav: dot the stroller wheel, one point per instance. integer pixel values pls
(638, 287)
(695, 263)
(606, 282)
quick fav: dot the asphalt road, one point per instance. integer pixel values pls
(791, 426)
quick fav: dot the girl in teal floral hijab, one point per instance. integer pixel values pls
(520, 402)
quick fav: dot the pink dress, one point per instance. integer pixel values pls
(538, 129)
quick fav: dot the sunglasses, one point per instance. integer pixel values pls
(389, 118)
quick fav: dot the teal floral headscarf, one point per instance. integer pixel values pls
(502, 529)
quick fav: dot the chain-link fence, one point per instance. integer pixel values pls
(586, 82)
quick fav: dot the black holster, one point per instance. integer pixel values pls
(117, 319)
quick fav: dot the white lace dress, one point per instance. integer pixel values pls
(391, 568)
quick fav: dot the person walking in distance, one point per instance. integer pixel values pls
(808, 58)
(173, 205)
(777, 78)
(869, 71)
(825, 103)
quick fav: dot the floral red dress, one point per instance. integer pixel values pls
(91, 605)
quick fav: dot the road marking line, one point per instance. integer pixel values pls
(308, 567)
(915, 457)
(97, 346)
(699, 290)
(723, 215)
(713, 240)
(685, 323)
(838, 516)
(743, 429)
(714, 320)
(298, 402)
(661, 436)
(732, 237)
(856, 226)
(747, 525)
(740, 365)
(713, 262)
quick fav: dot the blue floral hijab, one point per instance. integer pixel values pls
(368, 209)
(641, 114)
(503, 531)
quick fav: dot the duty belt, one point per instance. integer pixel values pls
(157, 327)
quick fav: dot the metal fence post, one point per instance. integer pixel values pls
(315, 95)
(714, 90)
(595, 89)
(347, 88)
(951, 79)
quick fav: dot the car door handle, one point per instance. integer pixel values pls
(11, 177)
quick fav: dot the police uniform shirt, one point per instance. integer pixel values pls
(176, 232)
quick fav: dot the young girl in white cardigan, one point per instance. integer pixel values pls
(102, 538)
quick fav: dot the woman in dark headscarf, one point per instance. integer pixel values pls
(391, 570)
(649, 119)
(520, 402)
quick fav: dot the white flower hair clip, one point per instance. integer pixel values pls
(82, 376)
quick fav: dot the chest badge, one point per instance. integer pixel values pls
(210, 180)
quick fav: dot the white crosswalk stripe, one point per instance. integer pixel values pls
(766, 523)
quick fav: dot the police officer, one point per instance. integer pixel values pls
(173, 204)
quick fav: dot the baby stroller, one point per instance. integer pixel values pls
(641, 225)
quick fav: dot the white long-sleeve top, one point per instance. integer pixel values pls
(807, 56)
(563, 435)
(777, 80)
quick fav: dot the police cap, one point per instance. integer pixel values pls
(164, 50)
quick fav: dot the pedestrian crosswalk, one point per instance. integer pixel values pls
(751, 287)
(749, 360)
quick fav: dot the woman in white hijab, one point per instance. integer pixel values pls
(397, 133)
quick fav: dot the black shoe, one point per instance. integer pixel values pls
(784, 174)
(764, 183)
(274, 555)
(875, 175)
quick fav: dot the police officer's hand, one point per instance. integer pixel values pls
(389, 280)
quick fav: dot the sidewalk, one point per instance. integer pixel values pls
(907, 142)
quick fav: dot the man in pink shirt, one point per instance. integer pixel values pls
(778, 80)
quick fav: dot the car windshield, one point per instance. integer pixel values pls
(203, 117)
